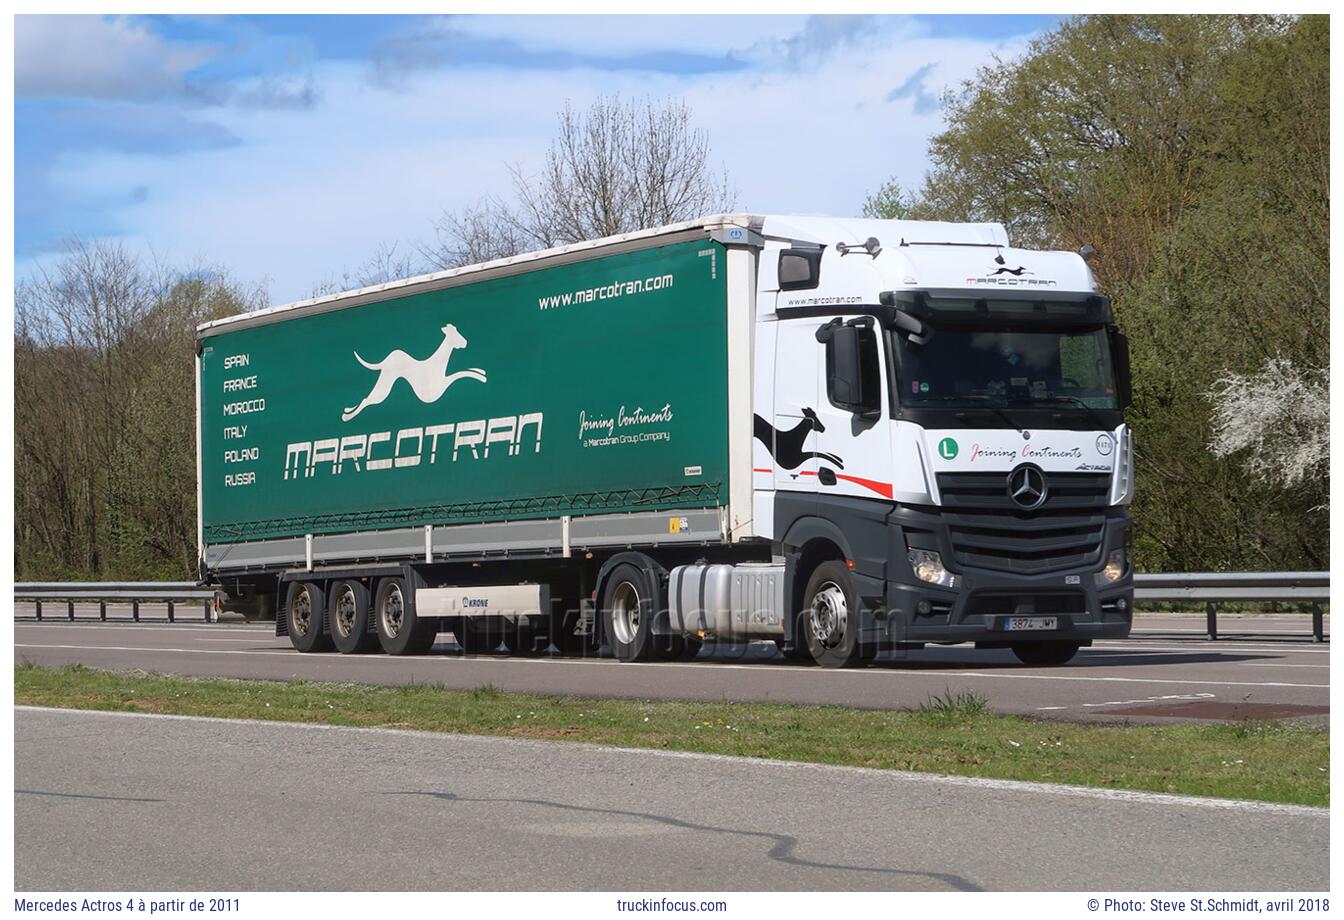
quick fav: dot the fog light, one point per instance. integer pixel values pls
(1115, 567)
(1121, 604)
(928, 566)
(923, 608)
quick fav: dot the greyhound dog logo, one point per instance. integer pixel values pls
(787, 446)
(428, 378)
(1005, 270)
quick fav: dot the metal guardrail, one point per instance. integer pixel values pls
(1211, 588)
(1214, 588)
(137, 592)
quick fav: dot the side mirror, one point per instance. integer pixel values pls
(844, 382)
(1120, 361)
(847, 386)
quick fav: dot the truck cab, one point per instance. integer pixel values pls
(946, 412)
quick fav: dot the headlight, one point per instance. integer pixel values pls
(928, 566)
(1114, 568)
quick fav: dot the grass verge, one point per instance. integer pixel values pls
(951, 733)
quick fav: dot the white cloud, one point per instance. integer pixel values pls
(76, 55)
(311, 192)
(630, 34)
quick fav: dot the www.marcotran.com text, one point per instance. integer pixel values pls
(606, 292)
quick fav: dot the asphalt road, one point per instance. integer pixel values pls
(113, 802)
(1158, 679)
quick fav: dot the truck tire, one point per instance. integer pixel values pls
(1046, 653)
(348, 618)
(628, 609)
(830, 617)
(304, 607)
(400, 631)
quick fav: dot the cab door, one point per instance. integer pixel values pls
(792, 429)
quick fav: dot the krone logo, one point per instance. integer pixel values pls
(428, 377)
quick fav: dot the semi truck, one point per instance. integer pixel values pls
(841, 435)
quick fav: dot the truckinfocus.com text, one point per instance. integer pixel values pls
(657, 905)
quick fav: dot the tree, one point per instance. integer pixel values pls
(893, 201)
(386, 264)
(104, 414)
(614, 168)
(1278, 418)
(1193, 153)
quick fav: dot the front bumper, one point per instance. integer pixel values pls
(984, 601)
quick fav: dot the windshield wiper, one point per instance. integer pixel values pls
(1055, 397)
(980, 397)
(1065, 398)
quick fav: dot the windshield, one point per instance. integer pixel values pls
(1007, 367)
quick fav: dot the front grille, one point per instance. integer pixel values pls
(988, 530)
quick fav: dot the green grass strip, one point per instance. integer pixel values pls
(950, 734)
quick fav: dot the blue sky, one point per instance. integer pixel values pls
(287, 149)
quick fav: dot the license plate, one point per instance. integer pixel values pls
(1018, 624)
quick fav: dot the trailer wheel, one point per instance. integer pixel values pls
(304, 607)
(628, 608)
(348, 615)
(830, 617)
(400, 631)
(1046, 653)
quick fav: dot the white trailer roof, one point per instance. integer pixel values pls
(482, 271)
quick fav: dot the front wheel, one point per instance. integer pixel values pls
(830, 618)
(1046, 653)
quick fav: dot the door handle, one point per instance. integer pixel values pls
(826, 476)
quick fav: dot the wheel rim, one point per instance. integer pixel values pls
(392, 612)
(344, 621)
(301, 612)
(625, 612)
(829, 614)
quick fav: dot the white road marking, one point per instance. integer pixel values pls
(1002, 785)
(869, 673)
(1262, 664)
(1111, 656)
(1180, 697)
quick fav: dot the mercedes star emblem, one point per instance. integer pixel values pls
(1026, 486)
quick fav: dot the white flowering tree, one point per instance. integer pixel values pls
(1278, 418)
